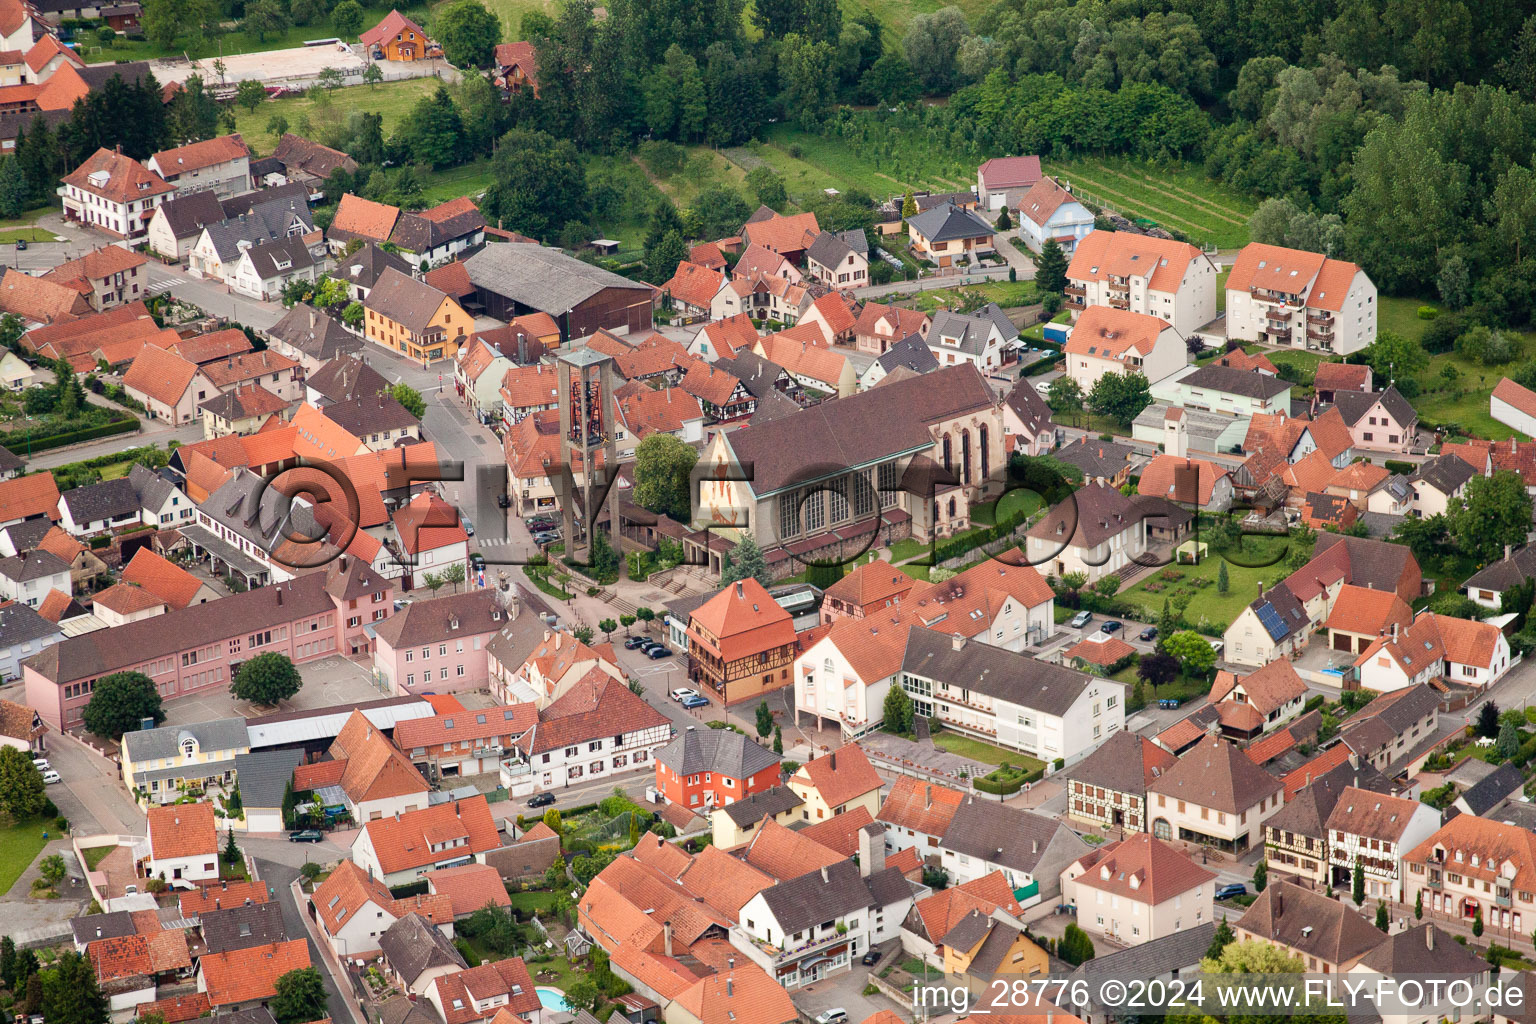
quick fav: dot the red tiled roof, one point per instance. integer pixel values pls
(127, 179)
(470, 887)
(222, 896)
(458, 991)
(1143, 869)
(1125, 254)
(23, 497)
(840, 776)
(182, 830)
(196, 155)
(40, 300)
(693, 285)
(1102, 652)
(920, 806)
(401, 843)
(247, 975)
(394, 24)
(160, 375)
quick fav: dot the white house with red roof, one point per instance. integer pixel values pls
(1173, 281)
(482, 992)
(1004, 180)
(1300, 299)
(431, 538)
(221, 166)
(836, 783)
(355, 910)
(183, 843)
(1049, 210)
(1108, 340)
(1137, 890)
(115, 194)
(595, 730)
(1462, 651)
(407, 847)
(1514, 406)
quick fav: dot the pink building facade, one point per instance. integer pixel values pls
(200, 647)
(438, 645)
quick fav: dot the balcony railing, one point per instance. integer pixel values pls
(1274, 298)
(1120, 302)
(1278, 332)
(1075, 289)
(1074, 303)
(795, 952)
(1319, 316)
(1316, 335)
(1119, 286)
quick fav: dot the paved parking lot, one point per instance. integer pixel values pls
(329, 682)
(846, 990)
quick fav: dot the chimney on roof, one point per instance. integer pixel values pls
(666, 936)
(740, 593)
(1429, 938)
(824, 876)
(928, 795)
(279, 596)
(833, 760)
(1034, 846)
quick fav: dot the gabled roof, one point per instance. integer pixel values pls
(1310, 923)
(357, 217)
(1125, 763)
(1369, 612)
(721, 751)
(779, 233)
(458, 992)
(1373, 815)
(785, 853)
(1008, 836)
(1215, 774)
(40, 300)
(1003, 172)
(23, 497)
(298, 153)
(393, 24)
(182, 830)
(743, 995)
(1353, 405)
(1158, 478)
(694, 285)
(405, 301)
(117, 178)
(160, 375)
(195, 156)
(838, 783)
(1141, 868)
(1107, 333)
(1103, 254)
(1042, 201)
(375, 768)
(1342, 377)
(948, 223)
(404, 842)
(412, 946)
(249, 974)
(314, 333)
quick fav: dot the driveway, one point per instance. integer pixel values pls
(846, 990)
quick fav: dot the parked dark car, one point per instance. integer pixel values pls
(476, 561)
(307, 835)
(502, 501)
(1150, 633)
(635, 642)
(21, 245)
(541, 800)
(1111, 626)
(658, 651)
(1226, 892)
(871, 958)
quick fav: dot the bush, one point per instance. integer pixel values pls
(17, 440)
(1428, 312)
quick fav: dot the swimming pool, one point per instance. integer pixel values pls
(552, 999)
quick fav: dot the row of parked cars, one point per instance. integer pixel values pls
(653, 649)
(49, 775)
(1081, 620)
(545, 528)
(690, 699)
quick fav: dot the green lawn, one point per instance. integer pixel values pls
(1011, 503)
(825, 163)
(1205, 602)
(95, 855)
(705, 169)
(539, 902)
(979, 750)
(393, 100)
(231, 42)
(1005, 293)
(469, 180)
(19, 846)
(1180, 198)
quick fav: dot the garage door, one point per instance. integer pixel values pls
(1343, 642)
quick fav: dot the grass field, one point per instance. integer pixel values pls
(978, 750)
(393, 100)
(539, 902)
(825, 163)
(1205, 602)
(705, 169)
(1005, 293)
(19, 846)
(232, 42)
(1179, 198)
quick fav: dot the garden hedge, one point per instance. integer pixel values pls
(17, 442)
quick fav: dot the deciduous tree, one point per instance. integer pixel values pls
(1495, 511)
(468, 32)
(266, 679)
(1193, 651)
(663, 465)
(119, 702)
(300, 997)
(21, 785)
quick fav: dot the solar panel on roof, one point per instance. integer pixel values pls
(1270, 619)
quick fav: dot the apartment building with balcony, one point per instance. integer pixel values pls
(1472, 864)
(1108, 340)
(1045, 711)
(463, 742)
(1173, 281)
(1300, 300)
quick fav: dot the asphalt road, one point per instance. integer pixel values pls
(280, 877)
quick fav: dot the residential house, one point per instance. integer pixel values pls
(867, 589)
(407, 847)
(835, 313)
(1026, 419)
(362, 270)
(1049, 211)
(446, 634)
(437, 235)
(1461, 651)
(1258, 702)
(809, 361)
(1108, 787)
(839, 259)
(1046, 711)
(23, 635)
(21, 727)
(431, 539)
(1381, 421)
(499, 989)
(469, 888)
(107, 277)
(220, 250)
(950, 236)
(909, 357)
(705, 768)
(1331, 378)
(839, 911)
(28, 578)
(22, 498)
(741, 643)
(1327, 935)
(734, 824)
(516, 278)
(397, 37)
(1109, 340)
(265, 270)
(955, 915)
(362, 220)
(243, 409)
(744, 991)
(1488, 585)
(380, 422)
(789, 236)
(828, 789)
(693, 288)
(1300, 299)
(983, 338)
(221, 165)
(916, 814)
(114, 194)
(354, 911)
(38, 301)
(413, 318)
(596, 728)
(723, 339)
(171, 388)
(1394, 727)
(478, 372)
(1472, 865)
(1031, 850)
(1097, 531)
(761, 297)
(309, 163)
(879, 327)
(1437, 483)
(1369, 832)
(365, 773)
(644, 412)
(159, 765)
(1138, 889)
(1427, 952)
(246, 979)
(555, 664)
(178, 222)
(166, 580)
(1226, 389)
(415, 954)
(183, 843)
(1187, 481)
(517, 67)
(1006, 180)
(1101, 462)
(1361, 615)
(1213, 795)
(1173, 281)
(15, 374)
